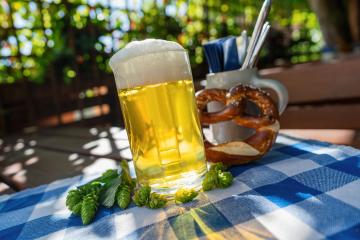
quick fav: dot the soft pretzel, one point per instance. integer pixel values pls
(266, 125)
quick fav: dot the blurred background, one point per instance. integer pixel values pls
(54, 56)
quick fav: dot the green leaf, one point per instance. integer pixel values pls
(108, 196)
(107, 177)
(109, 174)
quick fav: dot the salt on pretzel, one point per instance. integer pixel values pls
(266, 125)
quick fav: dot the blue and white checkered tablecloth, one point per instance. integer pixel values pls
(300, 190)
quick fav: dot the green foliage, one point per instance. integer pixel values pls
(216, 177)
(142, 195)
(225, 179)
(89, 207)
(123, 196)
(184, 195)
(108, 175)
(76, 196)
(111, 187)
(108, 198)
(84, 200)
(217, 167)
(125, 174)
(156, 201)
(133, 183)
(77, 208)
(73, 200)
(64, 34)
(210, 181)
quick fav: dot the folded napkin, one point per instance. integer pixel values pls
(222, 55)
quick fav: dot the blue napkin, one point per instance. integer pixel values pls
(214, 55)
(221, 54)
(231, 58)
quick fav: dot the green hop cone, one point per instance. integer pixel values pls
(210, 181)
(184, 195)
(133, 183)
(225, 179)
(89, 207)
(142, 195)
(77, 209)
(84, 200)
(73, 198)
(125, 173)
(217, 167)
(156, 201)
(123, 196)
(90, 187)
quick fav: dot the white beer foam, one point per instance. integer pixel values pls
(148, 62)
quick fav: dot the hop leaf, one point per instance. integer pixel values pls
(123, 196)
(107, 177)
(84, 200)
(142, 195)
(109, 174)
(108, 198)
(210, 181)
(89, 207)
(184, 195)
(225, 179)
(218, 167)
(156, 201)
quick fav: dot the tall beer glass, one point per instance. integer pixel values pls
(156, 92)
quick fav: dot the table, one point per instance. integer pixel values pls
(299, 190)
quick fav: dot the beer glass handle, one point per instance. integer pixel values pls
(278, 87)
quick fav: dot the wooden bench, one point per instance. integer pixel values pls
(322, 96)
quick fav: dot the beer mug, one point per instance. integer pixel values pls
(228, 131)
(156, 93)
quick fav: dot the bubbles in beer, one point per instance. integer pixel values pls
(149, 62)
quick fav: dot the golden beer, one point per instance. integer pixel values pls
(163, 127)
